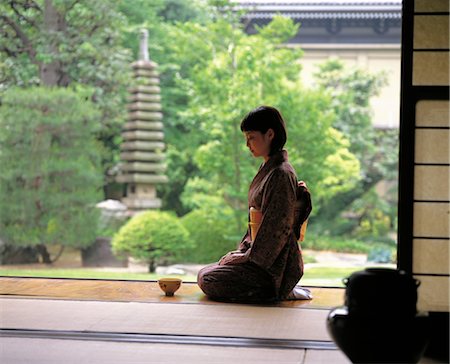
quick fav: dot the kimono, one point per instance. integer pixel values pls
(273, 261)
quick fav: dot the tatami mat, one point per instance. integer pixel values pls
(37, 351)
(227, 320)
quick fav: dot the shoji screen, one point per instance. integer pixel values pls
(424, 199)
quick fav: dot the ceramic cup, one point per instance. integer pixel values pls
(169, 285)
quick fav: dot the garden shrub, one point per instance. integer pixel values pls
(211, 234)
(156, 237)
(380, 254)
(337, 244)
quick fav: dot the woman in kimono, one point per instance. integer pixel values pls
(268, 268)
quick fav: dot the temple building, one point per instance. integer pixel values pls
(361, 33)
(142, 159)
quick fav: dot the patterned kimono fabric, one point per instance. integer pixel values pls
(274, 264)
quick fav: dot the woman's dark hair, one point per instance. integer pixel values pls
(264, 118)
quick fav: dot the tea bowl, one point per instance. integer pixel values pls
(169, 285)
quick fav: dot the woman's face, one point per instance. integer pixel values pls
(259, 143)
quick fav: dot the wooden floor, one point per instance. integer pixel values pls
(139, 291)
(110, 321)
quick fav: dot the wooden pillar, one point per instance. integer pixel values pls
(424, 192)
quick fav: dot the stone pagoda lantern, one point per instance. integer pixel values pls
(142, 158)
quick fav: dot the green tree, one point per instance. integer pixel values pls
(65, 42)
(155, 237)
(152, 15)
(50, 178)
(230, 73)
(376, 149)
(351, 90)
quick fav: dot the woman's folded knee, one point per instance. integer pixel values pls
(204, 277)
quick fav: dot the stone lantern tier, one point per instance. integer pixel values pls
(142, 150)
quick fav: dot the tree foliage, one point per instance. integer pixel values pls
(224, 73)
(50, 178)
(154, 237)
(351, 90)
(62, 43)
(376, 149)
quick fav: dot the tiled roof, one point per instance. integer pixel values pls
(321, 9)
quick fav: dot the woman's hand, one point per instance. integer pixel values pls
(302, 184)
(234, 257)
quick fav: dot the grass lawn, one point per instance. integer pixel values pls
(327, 276)
(314, 276)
